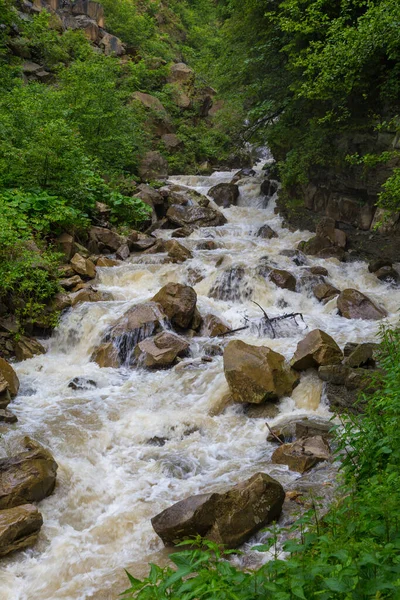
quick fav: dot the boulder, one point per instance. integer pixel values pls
(82, 383)
(268, 410)
(60, 302)
(224, 194)
(332, 252)
(195, 216)
(70, 282)
(25, 348)
(88, 295)
(153, 166)
(352, 379)
(105, 239)
(181, 74)
(83, 266)
(317, 270)
(352, 304)
(302, 454)
(103, 261)
(298, 257)
(231, 284)
(88, 26)
(269, 187)
(266, 232)
(363, 355)
(6, 416)
(377, 263)
(106, 356)
(213, 326)
(149, 101)
(208, 245)
(283, 279)
(325, 292)
(228, 518)
(111, 45)
(66, 245)
(388, 274)
(19, 528)
(177, 252)
(27, 477)
(171, 141)
(256, 373)
(182, 232)
(9, 381)
(315, 245)
(90, 8)
(139, 322)
(178, 302)
(316, 349)
(161, 350)
(123, 252)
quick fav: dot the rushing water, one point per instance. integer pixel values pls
(111, 481)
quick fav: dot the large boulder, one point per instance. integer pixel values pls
(316, 349)
(111, 45)
(325, 292)
(106, 356)
(83, 266)
(149, 101)
(213, 326)
(181, 74)
(9, 381)
(27, 348)
(177, 252)
(302, 454)
(104, 239)
(352, 304)
(161, 350)
(19, 528)
(283, 279)
(228, 518)
(256, 373)
(178, 302)
(153, 166)
(224, 194)
(138, 323)
(27, 477)
(266, 232)
(195, 216)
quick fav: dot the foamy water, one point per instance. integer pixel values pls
(110, 480)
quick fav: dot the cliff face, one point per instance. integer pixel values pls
(349, 192)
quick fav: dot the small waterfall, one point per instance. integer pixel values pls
(133, 441)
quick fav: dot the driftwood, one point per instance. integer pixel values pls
(274, 435)
(269, 321)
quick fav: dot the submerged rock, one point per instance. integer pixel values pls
(19, 528)
(27, 477)
(161, 350)
(352, 304)
(228, 518)
(316, 349)
(106, 356)
(266, 232)
(302, 454)
(178, 302)
(257, 373)
(232, 284)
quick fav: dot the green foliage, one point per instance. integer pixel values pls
(352, 552)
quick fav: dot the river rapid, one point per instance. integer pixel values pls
(111, 481)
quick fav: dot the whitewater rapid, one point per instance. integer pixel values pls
(111, 480)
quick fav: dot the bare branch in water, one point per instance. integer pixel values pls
(269, 321)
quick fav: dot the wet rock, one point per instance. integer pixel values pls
(246, 172)
(106, 356)
(298, 257)
(105, 239)
(25, 348)
(6, 416)
(283, 279)
(352, 304)
(27, 477)
(344, 375)
(70, 282)
(139, 322)
(315, 245)
(82, 383)
(178, 302)
(269, 187)
(343, 400)
(256, 373)
(103, 261)
(157, 441)
(60, 302)
(316, 349)
(88, 295)
(302, 454)
(266, 232)
(153, 166)
(224, 194)
(378, 263)
(332, 252)
(123, 252)
(19, 528)
(83, 266)
(231, 285)
(161, 350)
(388, 274)
(363, 355)
(182, 232)
(325, 292)
(213, 326)
(9, 382)
(177, 252)
(207, 245)
(213, 350)
(317, 270)
(228, 518)
(326, 228)
(312, 427)
(268, 410)
(142, 243)
(195, 216)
